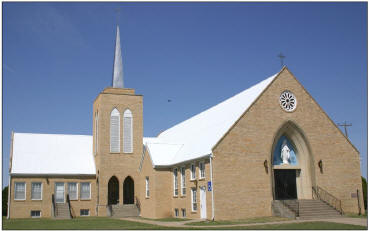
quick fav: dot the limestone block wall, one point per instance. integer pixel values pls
(242, 186)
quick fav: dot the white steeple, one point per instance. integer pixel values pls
(118, 65)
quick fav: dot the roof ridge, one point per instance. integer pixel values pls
(218, 104)
(54, 134)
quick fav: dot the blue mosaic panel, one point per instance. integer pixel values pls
(277, 160)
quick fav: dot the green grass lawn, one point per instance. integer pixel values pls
(77, 223)
(110, 223)
(243, 221)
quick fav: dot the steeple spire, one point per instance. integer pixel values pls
(118, 65)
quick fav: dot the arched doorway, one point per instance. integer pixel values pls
(113, 191)
(292, 164)
(128, 191)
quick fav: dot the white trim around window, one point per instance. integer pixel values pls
(193, 171)
(175, 182)
(201, 170)
(147, 187)
(183, 181)
(82, 196)
(33, 193)
(193, 200)
(17, 194)
(76, 192)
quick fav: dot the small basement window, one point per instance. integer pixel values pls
(176, 212)
(35, 213)
(85, 212)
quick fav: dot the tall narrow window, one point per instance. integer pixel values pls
(85, 191)
(127, 132)
(96, 130)
(73, 190)
(36, 191)
(175, 181)
(183, 181)
(193, 171)
(194, 199)
(114, 131)
(20, 191)
(202, 170)
(147, 187)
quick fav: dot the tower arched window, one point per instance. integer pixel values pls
(114, 131)
(127, 131)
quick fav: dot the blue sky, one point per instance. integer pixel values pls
(57, 57)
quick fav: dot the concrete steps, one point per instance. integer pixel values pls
(312, 209)
(120, 211)
(62, 211)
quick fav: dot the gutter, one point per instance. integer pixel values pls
(10, 167)
(9, 192)
(212, 187)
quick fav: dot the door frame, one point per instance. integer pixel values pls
(203, 214)
(63, 191)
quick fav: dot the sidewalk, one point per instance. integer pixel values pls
(343, 220)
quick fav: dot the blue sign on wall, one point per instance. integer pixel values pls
(209, 186)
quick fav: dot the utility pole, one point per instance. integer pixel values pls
(345, 125)
(281, 56)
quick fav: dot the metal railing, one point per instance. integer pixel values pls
(53, 204)
(292, 204)
(138, 204)
(323, 195)
(71, 212)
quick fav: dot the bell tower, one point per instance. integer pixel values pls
(117, 140)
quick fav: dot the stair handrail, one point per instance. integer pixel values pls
(295, 211)
(325, 196)
(138, 204)
(53, 204)
(71, 211)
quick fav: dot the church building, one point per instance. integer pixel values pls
(269, 150)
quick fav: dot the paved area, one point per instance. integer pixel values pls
(343, 220)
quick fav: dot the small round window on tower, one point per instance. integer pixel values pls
(288, 101)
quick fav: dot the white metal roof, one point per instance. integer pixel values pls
(52, 154)
(195, 138)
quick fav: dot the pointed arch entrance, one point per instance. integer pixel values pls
(292, 164)
(113, 191)
(128, 191)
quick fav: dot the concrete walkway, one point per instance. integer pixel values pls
(343, 220)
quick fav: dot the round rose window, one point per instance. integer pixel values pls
(288, 101)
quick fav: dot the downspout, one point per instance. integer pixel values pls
(9, 192)
(212, 187)
(10, 167)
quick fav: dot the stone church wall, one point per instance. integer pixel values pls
(243, 187)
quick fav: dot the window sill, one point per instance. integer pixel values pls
(175, 196)
(193, 179)
(19, 199)
(194, 211)
(127, 152)
(36, 199)
(85, 199)
(202, 179)
(147, 197)
(183, 196)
